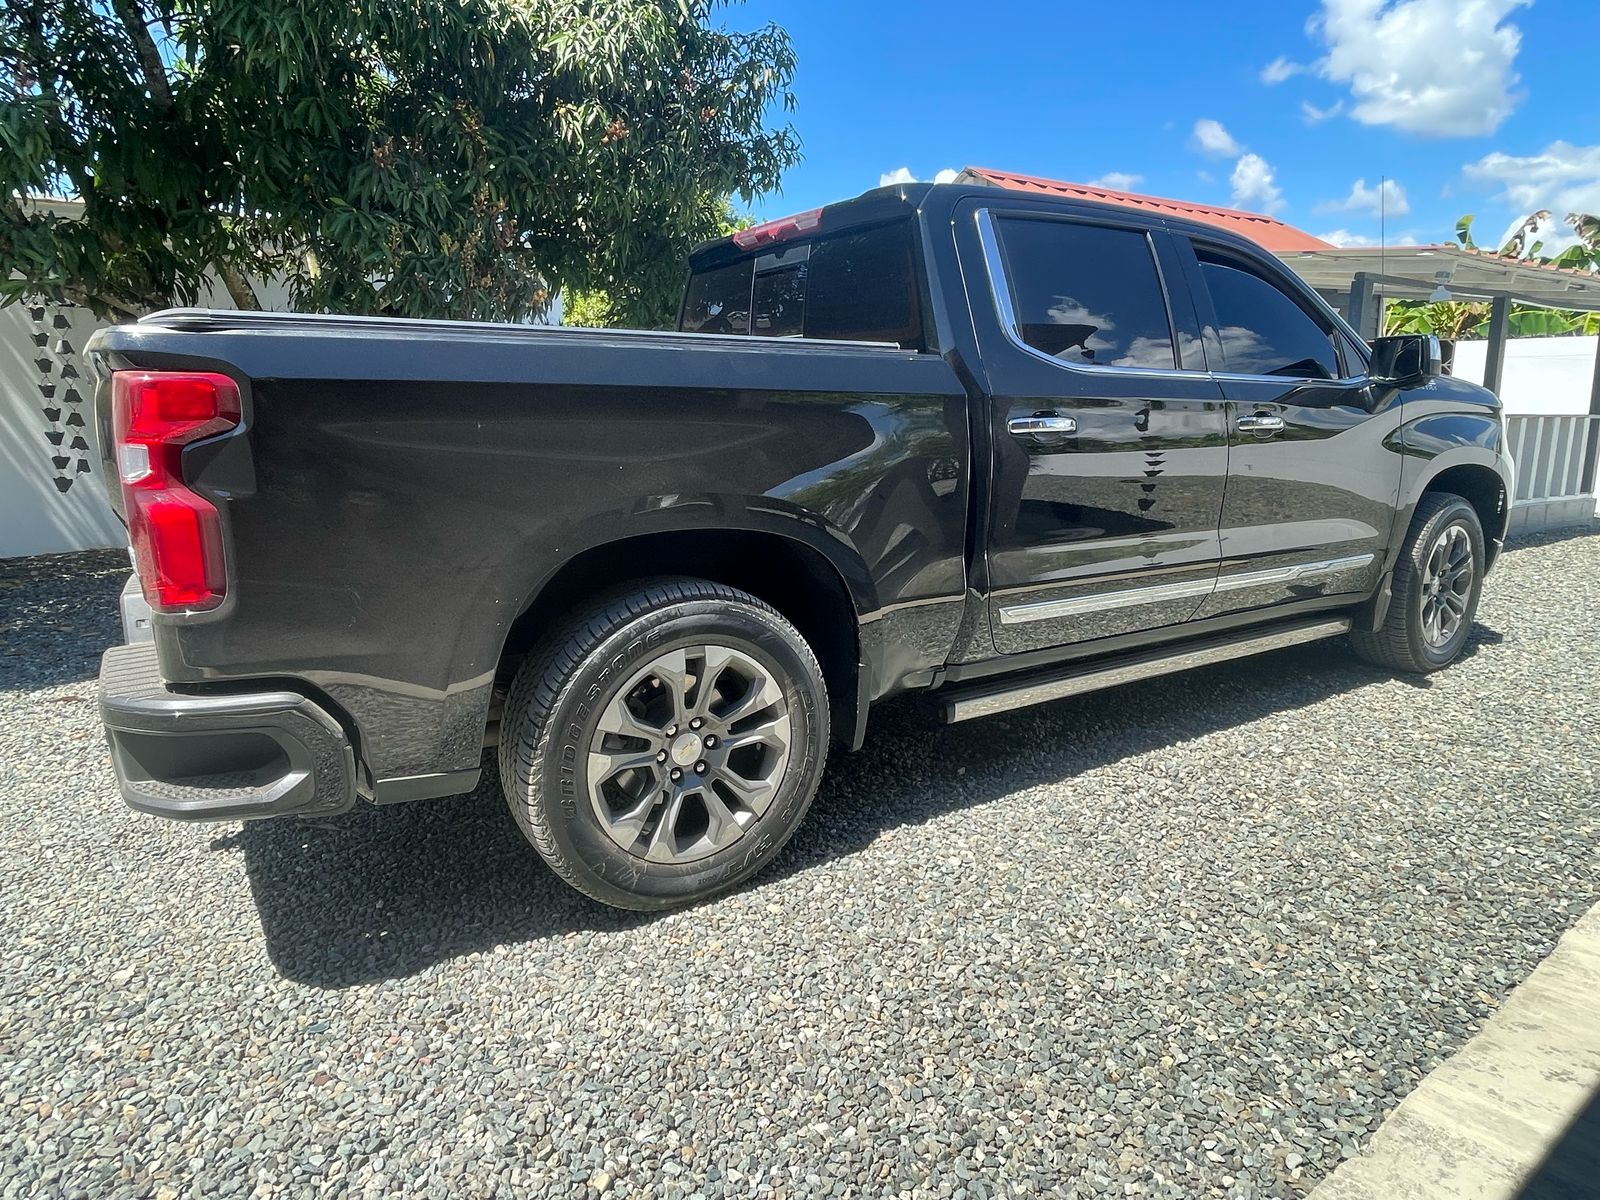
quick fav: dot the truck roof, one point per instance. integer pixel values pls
(902, 199)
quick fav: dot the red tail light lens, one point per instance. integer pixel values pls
(175, 531)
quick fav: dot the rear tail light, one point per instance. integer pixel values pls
(773, 231)
(175, 531)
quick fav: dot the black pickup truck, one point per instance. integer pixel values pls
(997, 446)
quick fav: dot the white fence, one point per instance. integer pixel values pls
(1550, 452)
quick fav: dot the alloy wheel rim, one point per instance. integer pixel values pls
(1447, 578)
(689, 753)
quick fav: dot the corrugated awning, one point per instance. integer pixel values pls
(1414, 272)
(1265, 231)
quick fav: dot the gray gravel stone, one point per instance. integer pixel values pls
(1193, 937)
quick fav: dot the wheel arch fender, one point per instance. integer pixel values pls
(794, 560)
(1456, 452)
(1484, 477)
(554, 551)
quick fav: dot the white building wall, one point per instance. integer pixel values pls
(1542, 375)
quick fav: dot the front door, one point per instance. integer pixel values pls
(1311, 487)
(1109, 442)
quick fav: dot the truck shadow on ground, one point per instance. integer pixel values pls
(1571, 1168)
(384, 893)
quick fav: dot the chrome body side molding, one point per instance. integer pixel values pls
(1046, 610)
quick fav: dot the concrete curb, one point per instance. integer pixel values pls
(1515, 1113)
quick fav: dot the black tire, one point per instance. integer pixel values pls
(1403, 642)
(559, 698)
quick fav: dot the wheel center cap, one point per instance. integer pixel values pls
(685, 749)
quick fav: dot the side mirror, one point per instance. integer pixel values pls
(1412, 358)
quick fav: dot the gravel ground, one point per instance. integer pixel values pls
(1192, 937)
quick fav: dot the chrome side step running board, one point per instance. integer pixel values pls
(984, 701)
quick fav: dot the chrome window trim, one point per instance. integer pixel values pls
(1000, 290)
(1046, 610)
(1353, 382)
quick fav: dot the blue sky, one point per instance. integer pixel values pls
(1297, 107)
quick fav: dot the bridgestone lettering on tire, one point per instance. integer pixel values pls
(1437, 583)
(662, 745)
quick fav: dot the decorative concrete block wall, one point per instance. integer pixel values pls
(52, 491)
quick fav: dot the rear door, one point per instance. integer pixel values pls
(1311, 488)
(1108, 440)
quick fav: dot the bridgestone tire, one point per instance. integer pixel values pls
(1401, 644)
(558, 700)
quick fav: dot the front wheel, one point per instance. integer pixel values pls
(664, 744)
(1437, 583)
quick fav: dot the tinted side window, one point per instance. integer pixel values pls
(862, 286)
(865, 287)
(718, 301)
(1261, 330)
(1087, 294)
(1355, 359)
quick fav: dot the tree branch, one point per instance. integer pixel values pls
(155, 71)
(239, 289)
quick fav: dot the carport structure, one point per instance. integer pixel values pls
(1557, 456)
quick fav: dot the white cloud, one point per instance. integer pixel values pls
(1315, 116)
(1388, 197)
(1562, 178)
(1343, 237)
(1279, 69)
(1117, 181)
(1211, 138)
(1442, 68)
(1254, 186)
(903, 175)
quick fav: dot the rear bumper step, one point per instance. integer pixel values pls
(966, 704)
(220, 757)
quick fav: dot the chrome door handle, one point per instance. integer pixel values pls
(1046, 425)
(1261, 423)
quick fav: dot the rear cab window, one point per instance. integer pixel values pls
(857, 285)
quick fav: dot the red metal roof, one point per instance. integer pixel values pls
(1267, 232)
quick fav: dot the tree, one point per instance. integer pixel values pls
(598, 307)
(455, 158)
(1457, 319)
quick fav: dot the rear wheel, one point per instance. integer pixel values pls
(1437, 583)
(664, 744)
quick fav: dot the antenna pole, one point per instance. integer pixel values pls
(1383, 224)
(1383, 241)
